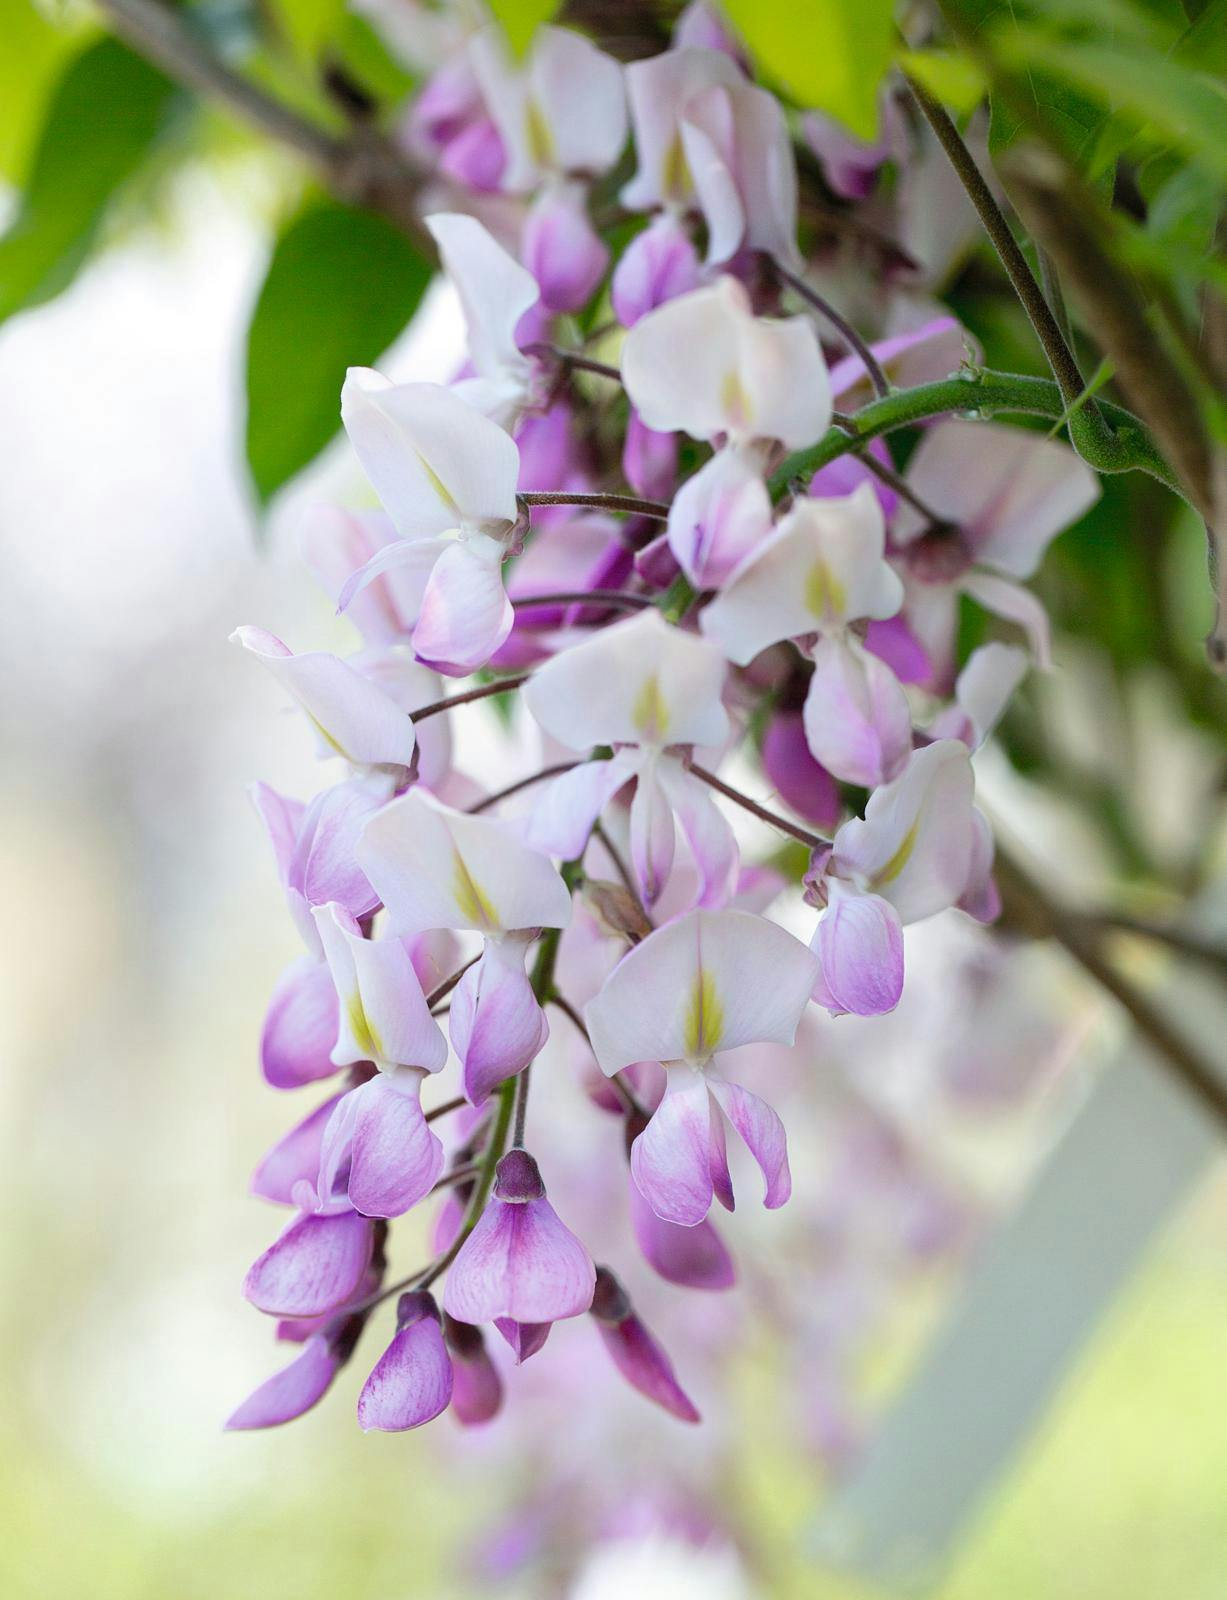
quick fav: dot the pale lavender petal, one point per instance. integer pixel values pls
(763, 1133)
(671, 1158)
(649, 459)
(290, 1392)
(657, 265)
(465, 612)
(282, 819)
(857, 721)
(565, 809)
(300, 1027)
(496, 1023)
(653, 836)
(396, 1157)
(708, 832)
(859, 941)
(314, 1266)
(521, 1262)
(322, 867)
(293, 1158)
(717, 518)
(410, 1384)
(562, 249)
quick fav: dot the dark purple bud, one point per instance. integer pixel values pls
(634, 1351)
(525, 1338)
(517, 1178)
(610, 1302)
(413, 1306)
(477, 1389)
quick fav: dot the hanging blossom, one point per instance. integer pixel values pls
(705, 364)
(821, 571)
(446, 475)
(789, 644)
(652, 692)
(561, 116)
(435, 868)
(703, 985)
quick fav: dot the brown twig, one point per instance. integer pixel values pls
(626, 504)
(856, 344)
(617, 598)
(555, 771)
(482, 692)
(813, 841)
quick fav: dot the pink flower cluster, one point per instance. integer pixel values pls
(652, 642)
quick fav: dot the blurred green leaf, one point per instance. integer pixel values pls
(522, 18)
(104, 118)
(340, 286)
(1180, 104)
(827, 54)
(953, 79)
(306, 25)
(34, 55)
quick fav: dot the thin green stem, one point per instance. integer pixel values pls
(982, 393)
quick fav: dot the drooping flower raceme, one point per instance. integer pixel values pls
(656, 667)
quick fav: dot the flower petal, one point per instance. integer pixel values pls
(695, 1258)
(859, 941)
(1015, 604)
(384, 1015)
(300, 1027)
(671, 1160)
(763, 1133)
(858, 724)
(435, 868)
(565, 809)
(641, 681)
(396, 1157)
(712, 841)
(434, 461)
(465, 613)
(495, 292)
(294, 1157)
(290, 1392)
(521, 1262)
(710, 980)
(718, 517)
(352, 717)
(653, 835)
(646, 1367)
(314, 1267)
(659, 89)
(410, 1384)
(496, 1024)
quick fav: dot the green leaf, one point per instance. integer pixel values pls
(522, 18)
(953, 79)
(340, 286)
(104, 118)
(33, 58)
(1182, 105)
(828, 54)
(307, 25)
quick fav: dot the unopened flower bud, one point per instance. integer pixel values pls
(517, 1178)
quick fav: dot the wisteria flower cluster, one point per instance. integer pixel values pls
(613, 543)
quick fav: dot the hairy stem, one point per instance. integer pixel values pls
(858, 346)
(628, 504)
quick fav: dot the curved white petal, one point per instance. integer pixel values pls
(659, 90)
(434, 461)
(711, 980)
(737, 147)
(495, 291)
(465, 614)
(564, 810)
(384, 1016)
(1010, 491)
(641, 681)
(435, 868)
(353, 717)
(858, 724)
(982, 692)
(914, 845)
(718, 517)
(1016, 604)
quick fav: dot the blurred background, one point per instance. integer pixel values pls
(146, 929)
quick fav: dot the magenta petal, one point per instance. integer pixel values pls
(290, 1392)
(396, 1156)
(846, 474)
(410, 1383)
(893, 641)
(695, 1258)
(646, 1367)
(477, 1389)
(764, 1135)
(562, 249)
(859, 941)
(657, 265)
(300, 1028)
(293, 1158)
(649, 459)
(671, 1158)
(315, 1266)
(799, 780)
(521, 1262)
(496, 1024)
(524, 1338)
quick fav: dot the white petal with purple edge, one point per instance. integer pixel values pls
(410, 1384)
(521, 1262)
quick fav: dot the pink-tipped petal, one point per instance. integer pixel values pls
(477, 1389)
(763, 1134)
(410, 1384)
(465, 613)
(496, 1024)
(718, 517)
(396, 1157)
(523, 1339)
(562, 249)
(520, 1261)
(859, 941)
(314, 1266)
(300, 1027)
(294, 1158)
(799, 780)
(290, 1392)
(857, 721)
(671, 1160)
(652, 836)
(658, 265)
(708, 833)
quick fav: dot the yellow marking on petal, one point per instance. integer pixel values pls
(475, 905)
(704, 1018)
(825, 596)
(437, 483)
(735, 401)
(649, 713)
(324, 734)
(365, 1037)
(900, 859)
(537, 132)
(675, 180)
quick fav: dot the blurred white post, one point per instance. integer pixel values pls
(1133, 1151)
